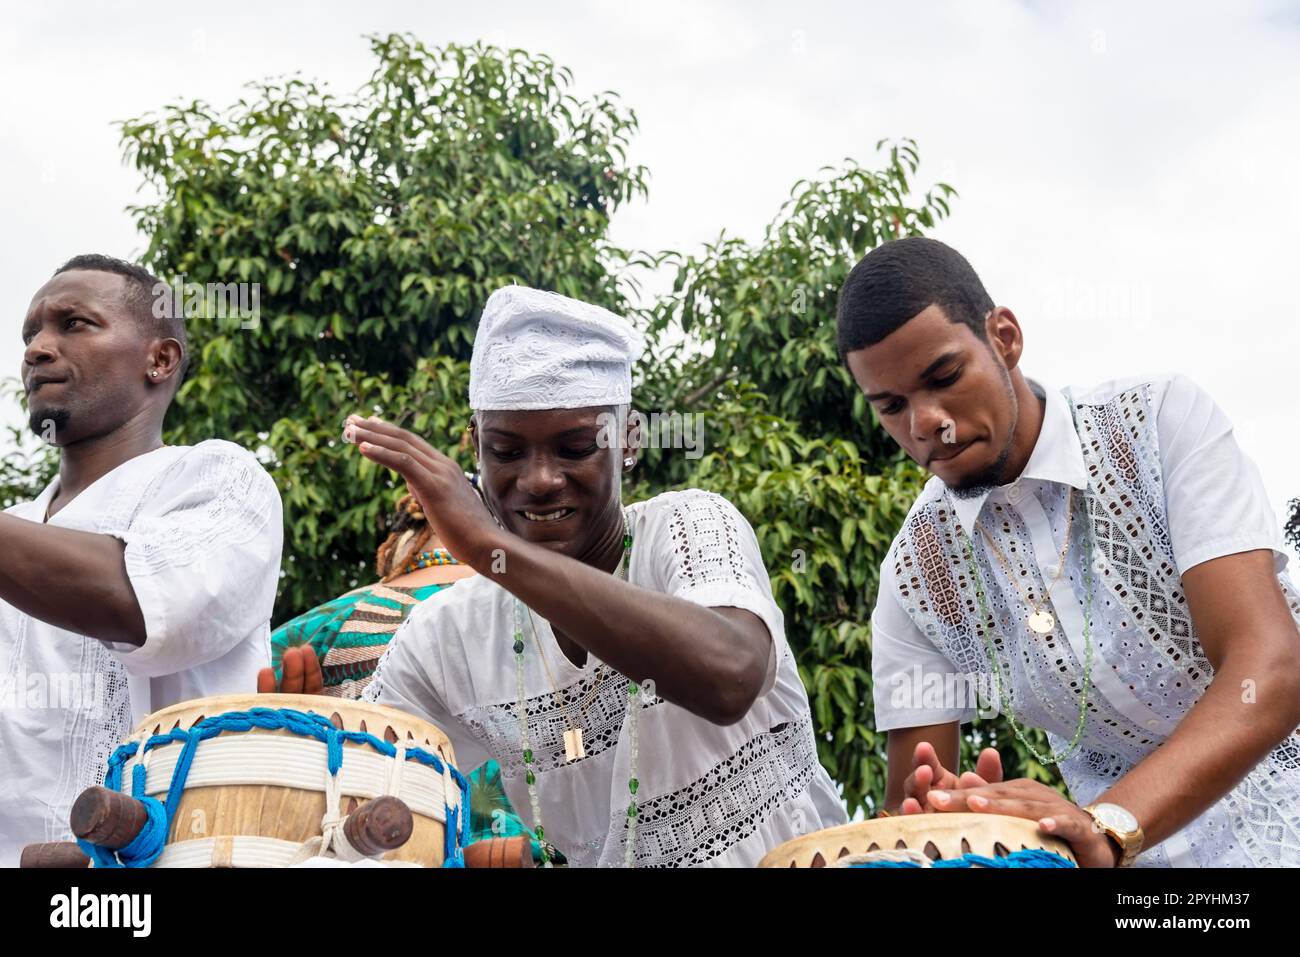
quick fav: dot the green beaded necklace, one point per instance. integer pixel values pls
(1003, 695)
(521, 715)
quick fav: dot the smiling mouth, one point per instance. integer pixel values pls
(554, 515)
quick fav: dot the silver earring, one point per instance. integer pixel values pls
(628, 463)
(154, 373)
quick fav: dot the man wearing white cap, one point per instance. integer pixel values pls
(626, 666)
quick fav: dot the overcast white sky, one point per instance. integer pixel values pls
(1127, 171)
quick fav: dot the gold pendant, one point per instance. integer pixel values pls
(573, 745)
(1041, 622)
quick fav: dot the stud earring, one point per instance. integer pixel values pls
(628, 463)
(154, 374)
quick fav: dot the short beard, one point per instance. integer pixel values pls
(990, 478)
(48, 423)
(986, 481)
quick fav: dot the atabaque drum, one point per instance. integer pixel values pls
(270, 780)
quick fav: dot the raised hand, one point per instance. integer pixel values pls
(300, 673)
(450, 504)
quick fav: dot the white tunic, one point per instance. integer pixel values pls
(202, 528)
(1170, 488)
(708, 795)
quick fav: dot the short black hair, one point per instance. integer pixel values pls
(899, 279)
(146, 297)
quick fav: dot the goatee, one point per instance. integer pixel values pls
(48, 423)
(970, 491)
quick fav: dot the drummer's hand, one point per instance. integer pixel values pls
(1037, 802)
(928, 773)
(452, 507)
(300, 673)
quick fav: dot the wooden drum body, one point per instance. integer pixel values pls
(938, 836)
(258, 797)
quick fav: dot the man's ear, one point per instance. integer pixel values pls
(632, 437)
(1004, 336)
(474, 441)
(165, 356)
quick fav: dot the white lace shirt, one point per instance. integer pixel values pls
(202, 528)
(709, 795)
(1213, 504)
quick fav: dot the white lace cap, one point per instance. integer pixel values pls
(540, 350)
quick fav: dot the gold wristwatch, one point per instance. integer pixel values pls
(1121, 827)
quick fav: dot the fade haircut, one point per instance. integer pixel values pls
(899, 279)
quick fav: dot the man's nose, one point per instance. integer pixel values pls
(40, 349)
(542, 476)
(929, 420)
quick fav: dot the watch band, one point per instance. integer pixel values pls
(1129, 842)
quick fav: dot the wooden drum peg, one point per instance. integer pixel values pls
(110, 819)
(500, 852)
(53, 854)
(379, 826)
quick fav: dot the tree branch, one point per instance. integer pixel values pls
(708, 387)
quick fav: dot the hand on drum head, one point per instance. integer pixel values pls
(1034, 801)
(299, 673)
(928, 773)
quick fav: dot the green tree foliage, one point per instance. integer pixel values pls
(767, 311)
(377, 227)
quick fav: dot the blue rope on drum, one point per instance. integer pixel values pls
(1030, 857)
(149, 843)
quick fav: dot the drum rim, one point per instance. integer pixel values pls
(795, 849)
(350, 710)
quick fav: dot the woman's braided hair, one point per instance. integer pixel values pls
(408, 535)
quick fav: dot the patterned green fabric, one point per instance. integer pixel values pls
(491, 814)
(487, 798)
(349, 635)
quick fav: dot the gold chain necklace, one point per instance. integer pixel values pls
(573, 747)
(1002, 683)
(1040, 622)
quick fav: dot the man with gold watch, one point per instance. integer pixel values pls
(1100, 561)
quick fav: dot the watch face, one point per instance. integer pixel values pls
(1112, 815)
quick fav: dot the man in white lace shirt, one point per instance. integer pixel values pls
(143, 574)
(1100, 561)
(716, 762)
